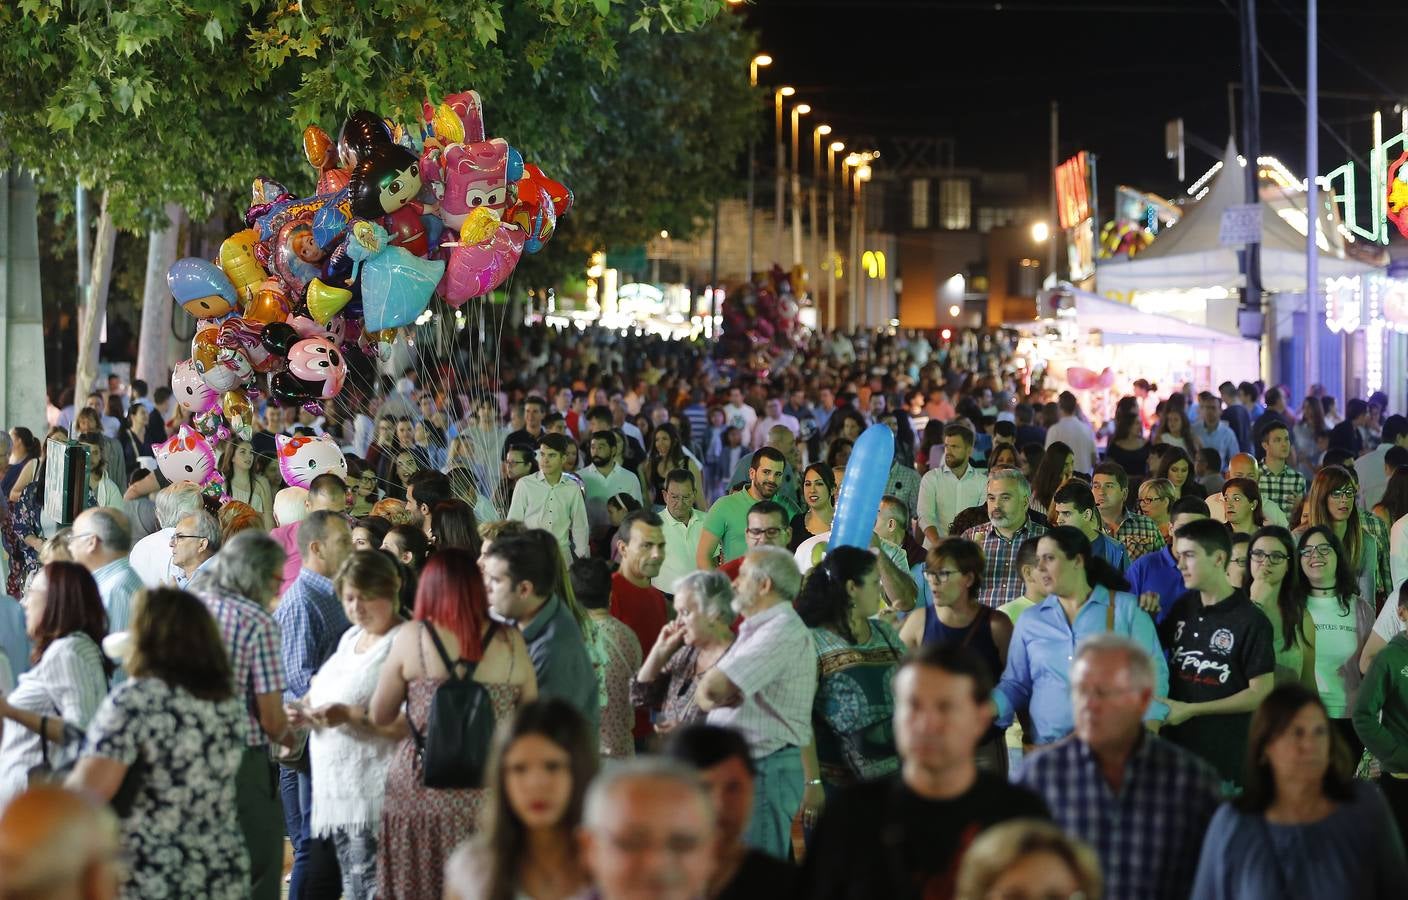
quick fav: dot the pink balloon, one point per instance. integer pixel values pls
(476, 269)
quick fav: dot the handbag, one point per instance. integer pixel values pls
(50, 771)
(454, 748)
(294, 758)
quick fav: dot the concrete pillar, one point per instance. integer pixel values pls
(21, 310)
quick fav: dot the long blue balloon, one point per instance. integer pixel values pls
(867, 471)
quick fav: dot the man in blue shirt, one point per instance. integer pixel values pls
(1155, 576)
(1212, 432)
(1074, 505)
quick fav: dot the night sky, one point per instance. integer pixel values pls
(984, 74)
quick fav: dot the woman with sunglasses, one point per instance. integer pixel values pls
(1276, 588)
(1343, 622)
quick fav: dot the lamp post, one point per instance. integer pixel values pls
(836, 147)
(801, 109)
(862, 176)
(815, 248)
(777, 96)
(852, 282)
(762, 59)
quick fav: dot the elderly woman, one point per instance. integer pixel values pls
(688, 647)
(1028, 858)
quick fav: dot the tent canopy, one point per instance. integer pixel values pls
(1190, 254)
(1120, 323)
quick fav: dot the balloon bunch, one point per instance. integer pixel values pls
(764, 312)
(1123, 238)
(397, 218)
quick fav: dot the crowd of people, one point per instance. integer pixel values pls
(618, 655)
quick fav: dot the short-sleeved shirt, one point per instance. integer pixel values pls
(727, 520)
(643, 611)
(1002, 577)
(118, 583)
(1157, 573)
(773, 665)
(1214, 652)
(251, 638)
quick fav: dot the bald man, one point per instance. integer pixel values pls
(57, 845)
(1244, 465)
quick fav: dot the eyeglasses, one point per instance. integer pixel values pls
(178, 536)
(1237, 561)
(77, 535)
(1324, 551)
(764, 532)
(1145, 501)
(1348, 492)
(1275, 556)
(941, 575)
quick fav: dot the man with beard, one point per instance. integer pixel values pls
(953, 487)
(726, 524)
(604, 478)
(1008, 525)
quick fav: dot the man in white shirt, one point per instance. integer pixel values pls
(775, 416)
(551, 502)
(738, 414)
(948, 490)
(683, 524)
(151, 556)
(1074, 432)
(1370, 467)
(605, 478)
(1243, 465)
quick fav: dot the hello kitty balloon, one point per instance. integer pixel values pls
(186, 457)
(190, 389)
(301, 459)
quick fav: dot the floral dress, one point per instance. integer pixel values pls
(182, 838)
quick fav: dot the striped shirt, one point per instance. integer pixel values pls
(311, 622)
(1139, 534)
(1285, 487)
(1148, 834)
(252, 638)
(118, 583)
(773, 665)
(1002, 577)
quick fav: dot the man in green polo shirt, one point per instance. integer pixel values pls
(726, 524)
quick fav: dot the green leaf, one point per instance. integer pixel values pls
(603, 7)
(214, 32)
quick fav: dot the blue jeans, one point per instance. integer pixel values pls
(315, 873)
(777, 795)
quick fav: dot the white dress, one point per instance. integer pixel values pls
(349, 765)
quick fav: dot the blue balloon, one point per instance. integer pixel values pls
(397, 286)
(329, 222)
(867, 472)
(202, 287)
(515, 165)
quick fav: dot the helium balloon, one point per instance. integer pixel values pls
(297, 255)
(476, 269)
(470, 176)
(861, 489)
(317, 363)
(514, 170)
(238, 262)
(408, 230)
(330, 221)
(386, 179)
(190, 390)
(459, 118)
(186, 457)
(201, 288)
(279, 338)
(325, 301)
(362, 131)
(302, 459)
(396, 286)
(246, 336)
(239, 413)
(268, 305)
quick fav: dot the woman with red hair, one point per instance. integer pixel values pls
(421, 826)
(49, 709)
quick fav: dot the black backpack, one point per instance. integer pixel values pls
(454, 749)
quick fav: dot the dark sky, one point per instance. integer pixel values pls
(984, 73)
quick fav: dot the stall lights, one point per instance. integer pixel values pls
(1374, 355)
(1344, 303)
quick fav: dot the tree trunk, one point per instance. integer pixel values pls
(154, 339)
(95, 306)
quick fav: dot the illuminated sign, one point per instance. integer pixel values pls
(1073, 190)
(873, 262)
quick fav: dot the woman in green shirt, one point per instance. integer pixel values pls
(1276, 589)
(1343, 622)
(1381, 716)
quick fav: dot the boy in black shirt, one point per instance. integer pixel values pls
(904, 836)
(1221, 658)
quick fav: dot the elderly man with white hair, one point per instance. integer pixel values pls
(151, 556)
(764, 687)
(100, 542)
(648, 830)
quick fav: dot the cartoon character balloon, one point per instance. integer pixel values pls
(301, 459)
(190, 390)
(316, 371)
(386, 179)
(201, 288)
(187, 457)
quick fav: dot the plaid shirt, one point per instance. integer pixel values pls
(1379, 532)
(1148, 834)
(311, 621)
(1002, 577)
(252, 638)
(1286, 488)
(1139, 534)
(773, 664)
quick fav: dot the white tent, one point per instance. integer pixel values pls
(1190, 254)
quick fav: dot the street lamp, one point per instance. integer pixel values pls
(1040, 232)
(762, 59)
(831, 151)
(860, 164)
(777, 95)
(801, 109)
(815, 272)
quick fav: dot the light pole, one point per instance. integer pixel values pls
(777, 96)
(836, 147)
(815, 248)
(860, 164)
(801, 109)
(762, 59)
(852, 282)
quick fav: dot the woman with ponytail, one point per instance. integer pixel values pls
(1086, 596)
